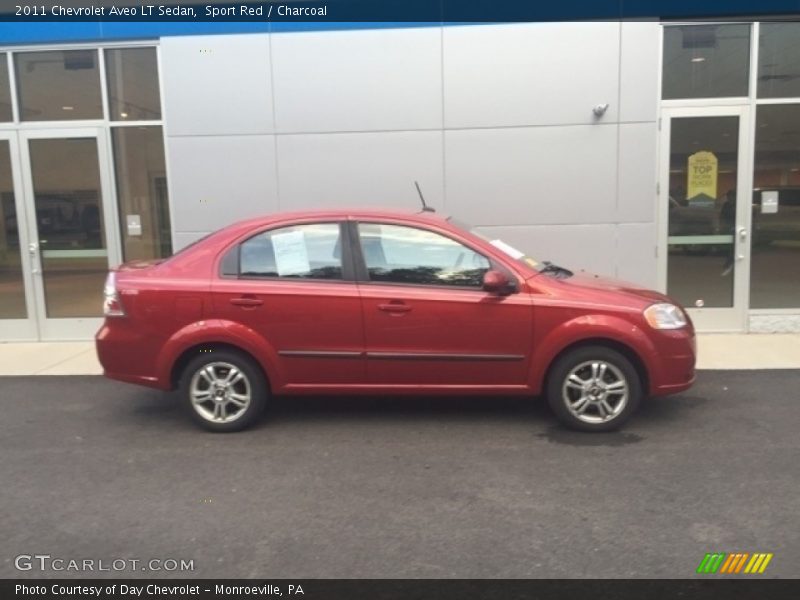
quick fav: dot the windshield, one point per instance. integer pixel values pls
(500, 245)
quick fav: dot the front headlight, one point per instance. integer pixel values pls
(665, 316)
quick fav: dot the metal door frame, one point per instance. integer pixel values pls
(67, 328)
(20, 329)
(713, 319)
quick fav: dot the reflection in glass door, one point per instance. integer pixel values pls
(705, 202)
(68, 221)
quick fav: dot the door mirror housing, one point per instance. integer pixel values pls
(497, 282)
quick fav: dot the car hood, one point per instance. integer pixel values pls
(590, 282)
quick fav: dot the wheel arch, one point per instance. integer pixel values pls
(180, 363)
(209, 335)
(624, 349)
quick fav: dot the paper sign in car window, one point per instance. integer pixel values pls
(510, 250)
(291, 256)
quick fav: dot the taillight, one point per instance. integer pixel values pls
(112, 305)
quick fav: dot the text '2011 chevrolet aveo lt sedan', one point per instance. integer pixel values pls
(374, 302)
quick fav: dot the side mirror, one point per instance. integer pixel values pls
(496, 282)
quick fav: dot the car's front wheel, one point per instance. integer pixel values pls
(593, 388)
(224, 391)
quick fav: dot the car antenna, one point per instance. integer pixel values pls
(425, 207)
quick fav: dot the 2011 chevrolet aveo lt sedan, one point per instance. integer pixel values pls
(373, 302)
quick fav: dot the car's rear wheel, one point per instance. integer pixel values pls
(593, 388)
(224, 391)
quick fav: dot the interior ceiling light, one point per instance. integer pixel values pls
(699, 59)
(67, 108)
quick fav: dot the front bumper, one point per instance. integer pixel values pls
(677, 360)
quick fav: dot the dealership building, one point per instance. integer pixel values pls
(663, 154)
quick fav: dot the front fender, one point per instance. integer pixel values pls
(221, 331)
(585, 328)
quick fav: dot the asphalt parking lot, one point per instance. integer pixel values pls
(385, 487)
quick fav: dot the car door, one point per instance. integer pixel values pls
(427, 320)
(293, 285)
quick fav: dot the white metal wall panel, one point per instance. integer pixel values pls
(217, 84)
(530, 74)
(362, 80)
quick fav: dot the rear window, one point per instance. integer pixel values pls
(312, 251)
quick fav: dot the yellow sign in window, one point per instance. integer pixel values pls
(702, 170)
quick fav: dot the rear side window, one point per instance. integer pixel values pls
(312, 251)
(399, 254)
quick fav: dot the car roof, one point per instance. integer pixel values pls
(344, 213)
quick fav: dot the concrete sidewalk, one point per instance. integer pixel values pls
(716, 351)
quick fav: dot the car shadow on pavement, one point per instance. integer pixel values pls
(158, 405)
(418, 408)
(166, 408)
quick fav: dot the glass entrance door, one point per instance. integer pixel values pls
(705, 188)
(71, 228)
(17, 320)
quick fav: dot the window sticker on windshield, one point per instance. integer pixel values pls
(291, 256)
(510, 250)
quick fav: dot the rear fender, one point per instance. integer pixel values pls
(219, 331)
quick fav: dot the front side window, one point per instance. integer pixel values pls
(312, 251)
(398, 254)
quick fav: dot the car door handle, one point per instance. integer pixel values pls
(247, 302)
(394, 307)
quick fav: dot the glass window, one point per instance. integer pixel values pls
(142, 192)
(12, 291)
(400, 254)
(5, 90)
(132, 75)
(775, 262)
(58, 85)
(706, 61)
(311, 251)
(779, 60)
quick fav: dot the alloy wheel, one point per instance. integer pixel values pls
(220, 392)
(595, 391)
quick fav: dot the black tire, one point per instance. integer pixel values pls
(598, 398)
(252, 379)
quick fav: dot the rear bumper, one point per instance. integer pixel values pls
(127, 355)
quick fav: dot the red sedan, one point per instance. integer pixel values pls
(375, 302)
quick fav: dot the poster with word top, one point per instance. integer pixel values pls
(703, 169)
